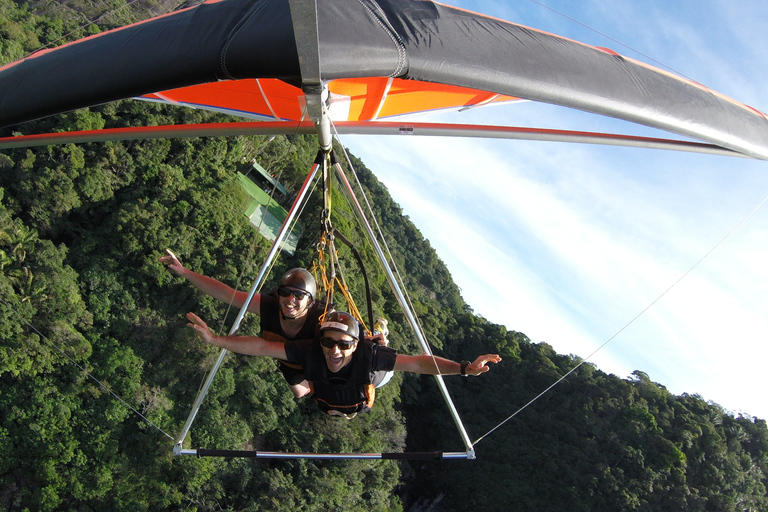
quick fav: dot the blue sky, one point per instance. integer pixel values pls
(568, 243)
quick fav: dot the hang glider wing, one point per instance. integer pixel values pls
(353, 99)
(237, 45)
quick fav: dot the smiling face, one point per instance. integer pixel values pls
(337, 356)
(294, 303)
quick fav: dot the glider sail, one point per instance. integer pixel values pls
(422, 41)
(302, 64)
(352, 99)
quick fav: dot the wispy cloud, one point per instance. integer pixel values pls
(569, 243)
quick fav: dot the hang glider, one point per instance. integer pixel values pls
(368, 60)
(324, 163)
(359, 65)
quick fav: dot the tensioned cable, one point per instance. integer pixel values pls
(89, 374)
(249, 256)
(392, 261)
(383, 240)
(610, 38)
(596, 350)
(252, 249)
(408, 311)
(90, 22)
(706, 255)
(375, 220)
(302, 206)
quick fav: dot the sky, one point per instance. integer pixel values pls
(658, 257)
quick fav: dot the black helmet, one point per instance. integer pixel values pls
(342, 322)
(300, 279)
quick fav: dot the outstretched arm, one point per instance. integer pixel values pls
(248, 345)
(212, 287)
(441, 366)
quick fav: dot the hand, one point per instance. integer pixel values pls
(379, 338)
(480, 364)
(172, 261)
(200, 327)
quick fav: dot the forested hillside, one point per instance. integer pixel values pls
(98, 370)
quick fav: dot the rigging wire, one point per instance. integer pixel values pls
(407, 308)
(252, 248)
(383, 241)
(392, 261)
(641, 313)
(611, 39)
(254, 243)
(86, 372)
(89, 22)
(337, 278)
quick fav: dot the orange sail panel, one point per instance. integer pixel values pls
(265, 98)
(381, 98)
(353, 99)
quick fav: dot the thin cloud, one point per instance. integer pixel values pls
(568, 243)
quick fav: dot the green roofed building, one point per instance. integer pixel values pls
(268, 177)
(266, 215)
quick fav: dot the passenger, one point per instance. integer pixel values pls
(290, 313)
(342, 367)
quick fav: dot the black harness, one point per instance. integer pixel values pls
(349, 391)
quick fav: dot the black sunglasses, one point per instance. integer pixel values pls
(287, 292)
(343, 345)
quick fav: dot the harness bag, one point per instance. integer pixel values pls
(350, 395)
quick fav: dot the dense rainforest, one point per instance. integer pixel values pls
(98, 371)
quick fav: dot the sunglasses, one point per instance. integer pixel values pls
(287, 292)
(343, 345)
